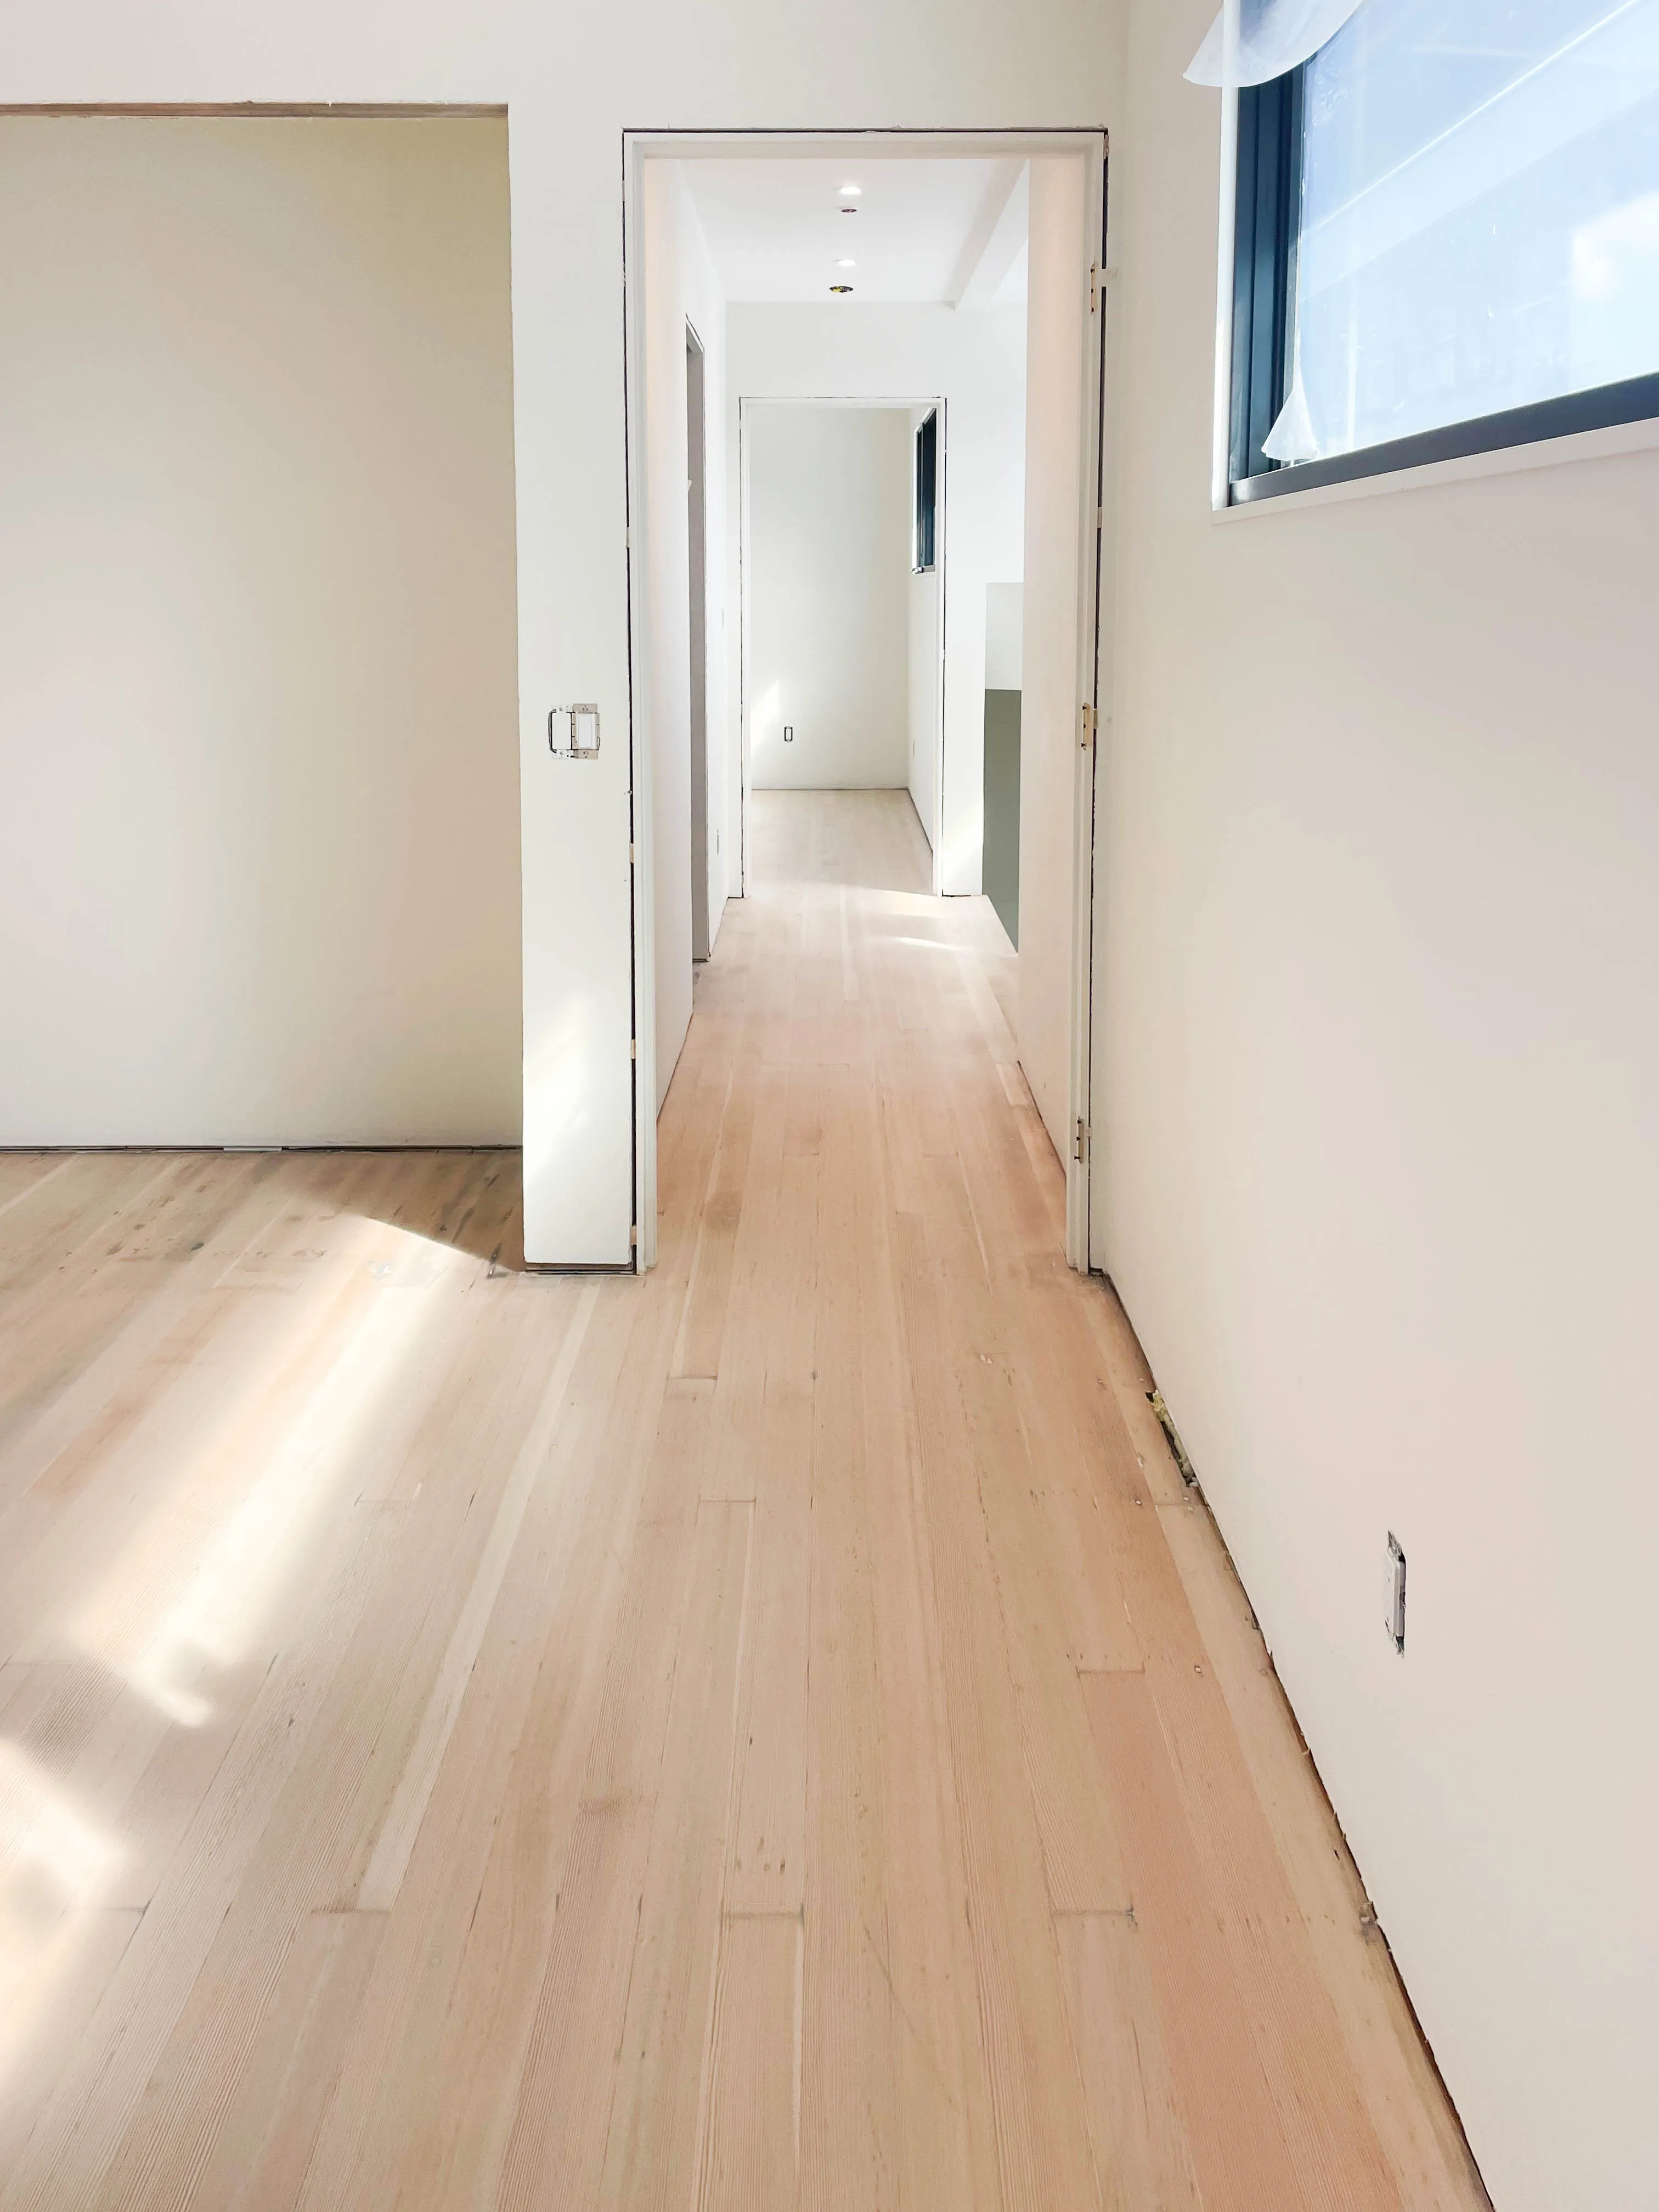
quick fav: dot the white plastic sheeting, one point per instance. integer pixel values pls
(1479, 217)
(1266, 37)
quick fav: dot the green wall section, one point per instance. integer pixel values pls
(1001, 877)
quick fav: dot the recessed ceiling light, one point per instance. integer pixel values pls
(852, 191)
(841, 288)
(847, 265)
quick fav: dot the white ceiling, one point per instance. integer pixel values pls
(776, 232)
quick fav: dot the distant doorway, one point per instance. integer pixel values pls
(840, 661)
(946, 287)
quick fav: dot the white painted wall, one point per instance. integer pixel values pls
(1058, 309)
(259, 839)
(829, 586)
(976, 362)
(680, 285)
(1378, 1015)
(1004, 619)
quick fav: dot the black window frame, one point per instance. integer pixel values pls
(924, 548)
(1267, 207)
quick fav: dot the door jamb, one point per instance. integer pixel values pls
(1093, 714)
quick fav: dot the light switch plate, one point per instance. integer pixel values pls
(572, 733)
(1395, 1622)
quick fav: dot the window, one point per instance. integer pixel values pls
(1447, 238)
(926, 534)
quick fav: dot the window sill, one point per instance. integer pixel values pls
(1614, 438)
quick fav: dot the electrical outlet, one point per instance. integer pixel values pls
(1395, 1621)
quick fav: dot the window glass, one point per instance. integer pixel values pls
(1479, 215)
(926, 494)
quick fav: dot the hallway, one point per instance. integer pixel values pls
(777, 1733)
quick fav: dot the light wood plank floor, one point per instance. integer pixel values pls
(777, 1733)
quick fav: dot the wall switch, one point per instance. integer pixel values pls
(572, 733)
(789, 734)
(1395, 1622)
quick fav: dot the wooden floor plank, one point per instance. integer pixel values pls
(704, 1328)
(258, 2160)
(46, 2009)
(750, 2155)
(656, 2115)
(767, 1846)
(778, 1733)
(1141, 2153)
(849, 2119)
(455, 1992)
(946, 2150)
(1231, 2124)
(1043, 2152)
(569, 2078)
(1339, 2160)
(1081, 1858)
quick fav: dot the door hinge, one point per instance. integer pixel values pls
(1094, 286)
(633, 1047)
(1080, 1142)
(1087, 737)
(633, 1237)
(633, 856)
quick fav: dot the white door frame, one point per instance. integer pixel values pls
(638, 147)
(1097, 593)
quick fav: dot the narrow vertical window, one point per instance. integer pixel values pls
(926, 532)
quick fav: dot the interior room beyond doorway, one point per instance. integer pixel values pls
(874, 316)
(841, 666)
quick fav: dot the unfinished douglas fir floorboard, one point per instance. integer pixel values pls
(849, 2123)
(776, 1736)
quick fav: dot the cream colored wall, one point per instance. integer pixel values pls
(1377, 1007)
(259, 838)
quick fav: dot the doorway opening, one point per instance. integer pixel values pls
(889, 505)
(841, 671)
